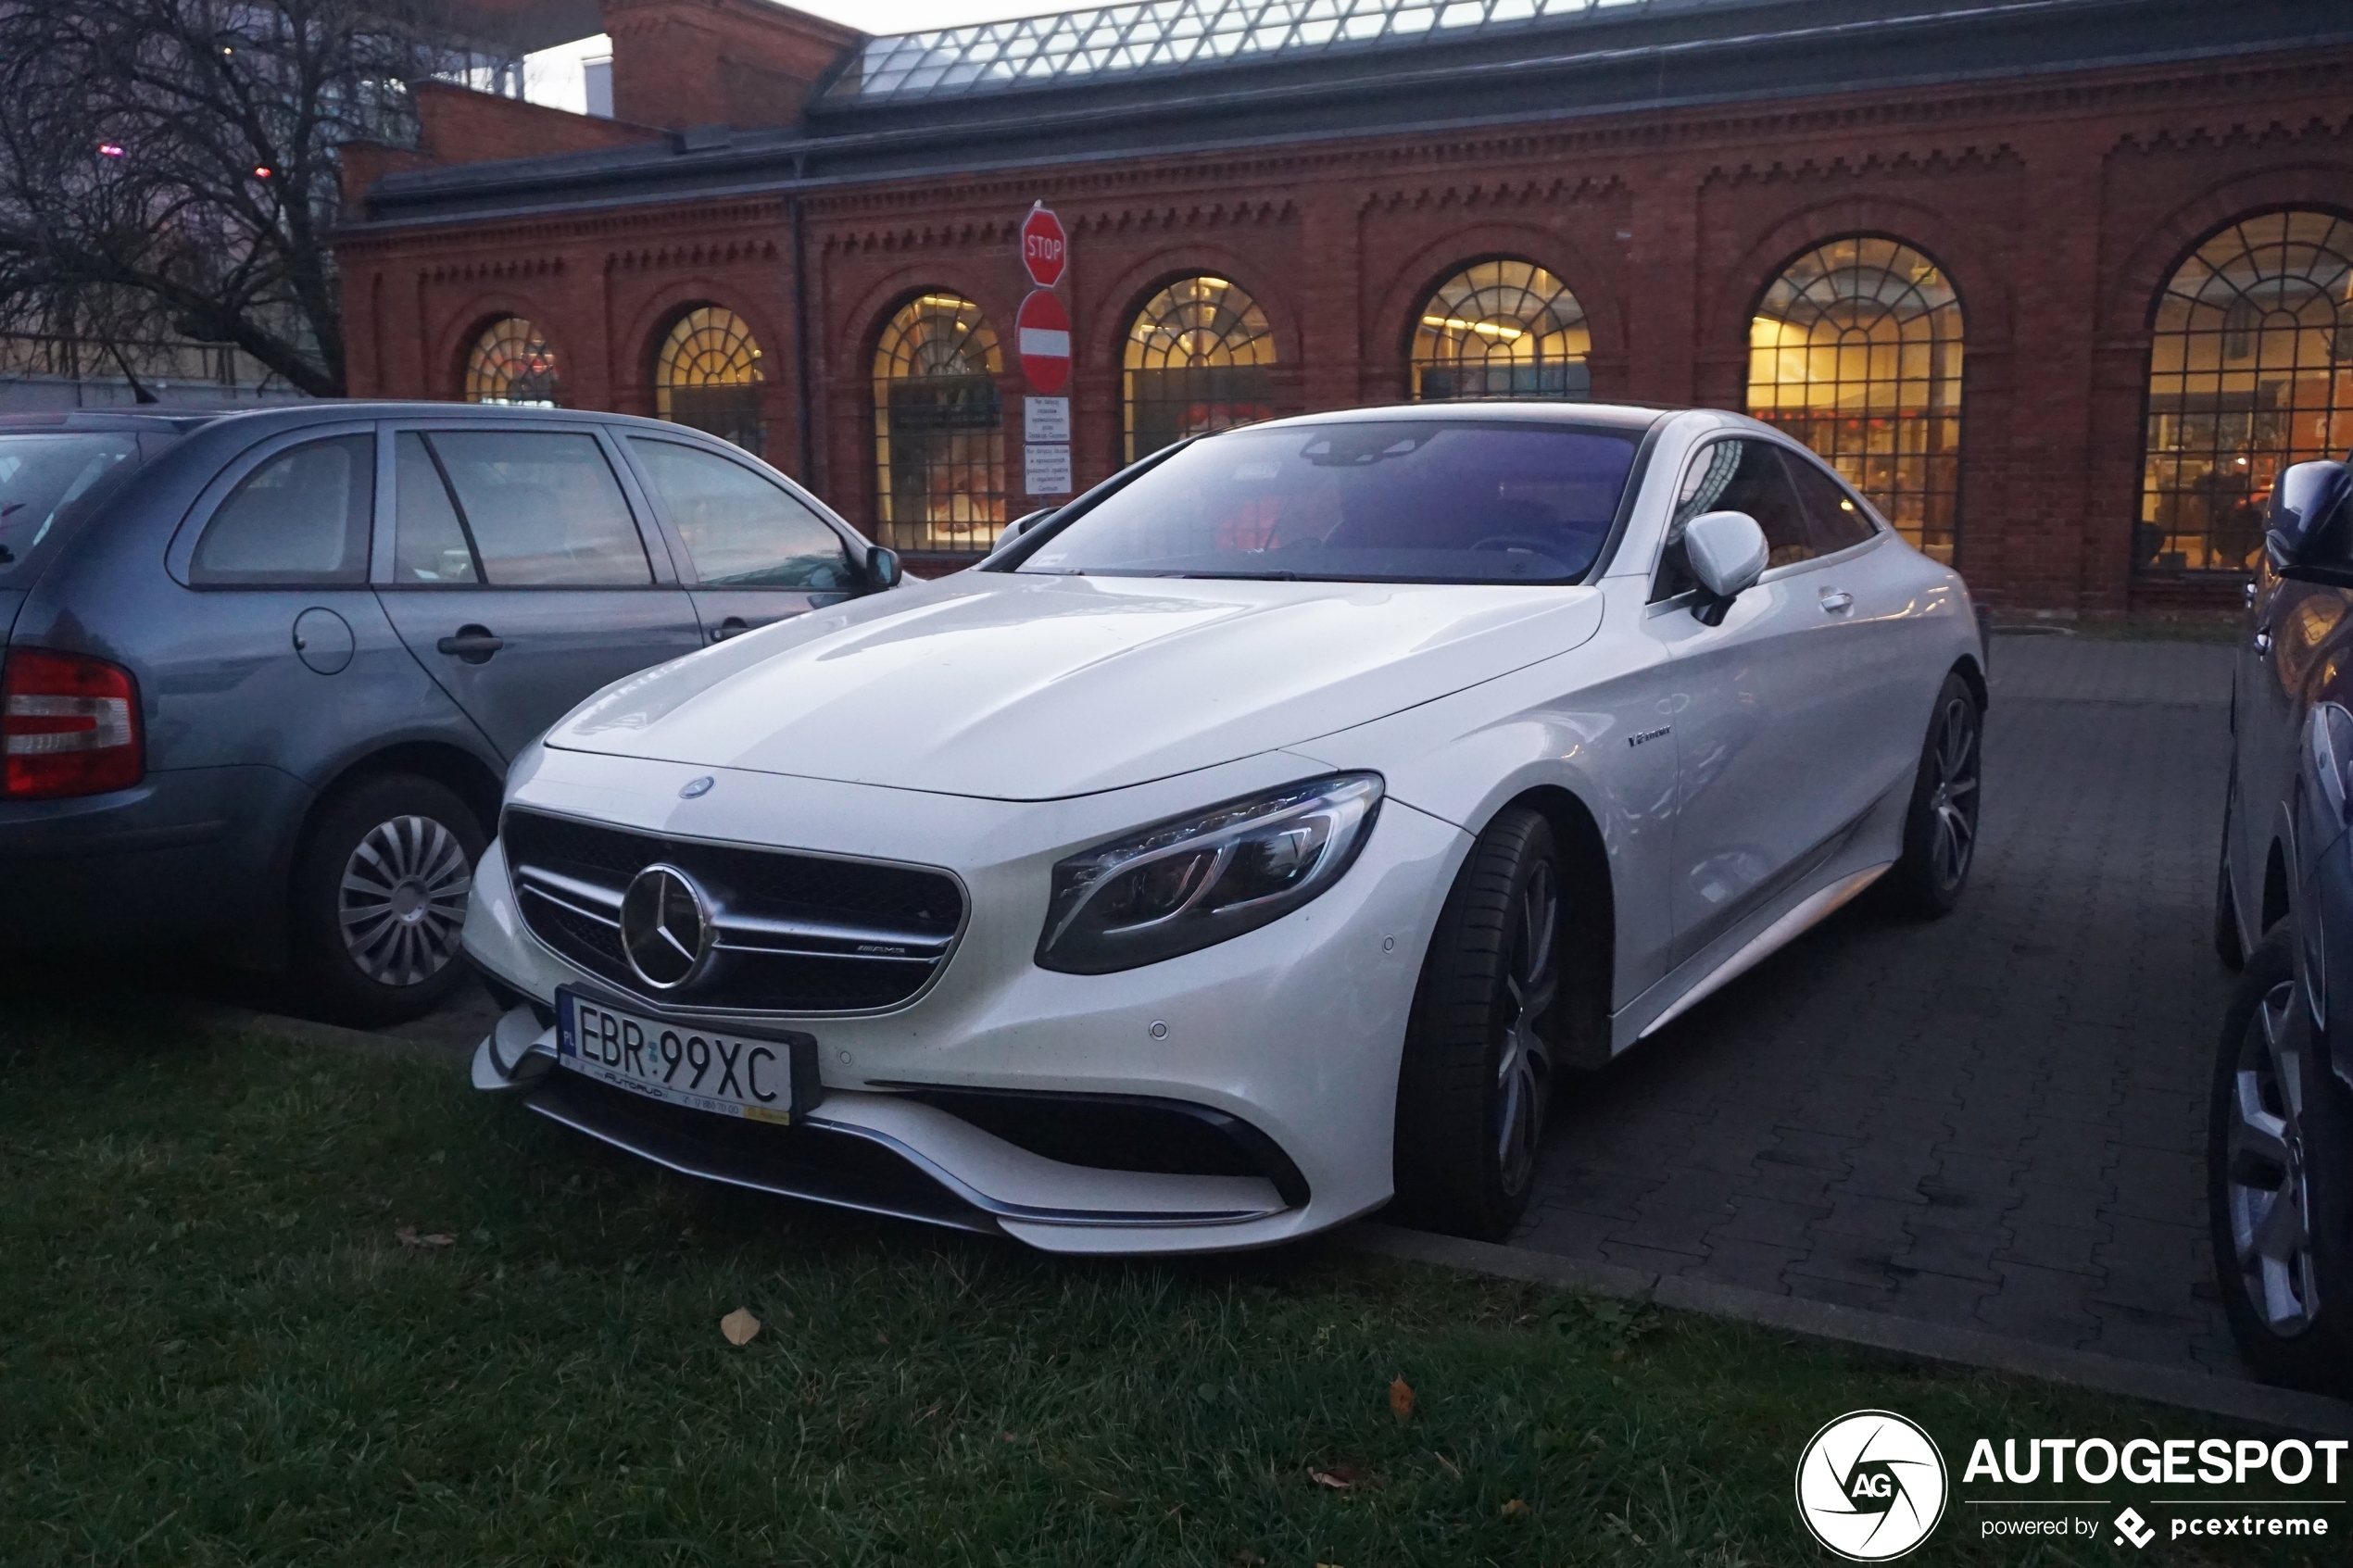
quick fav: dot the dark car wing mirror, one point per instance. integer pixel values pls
(882, 568)
(2307, 499)
(1727, 553)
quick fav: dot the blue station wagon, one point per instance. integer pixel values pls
(261, 674)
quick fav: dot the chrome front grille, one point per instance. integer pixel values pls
(795, 933)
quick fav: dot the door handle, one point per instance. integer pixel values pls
(733, 626)
(1836, 599)
(2262, 644)
(473, 643)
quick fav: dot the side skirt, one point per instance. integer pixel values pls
(1801, 917)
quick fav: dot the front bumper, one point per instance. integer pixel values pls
(1287, 1037)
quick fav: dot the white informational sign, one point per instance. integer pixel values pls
(1045, 469)
(1046, 419)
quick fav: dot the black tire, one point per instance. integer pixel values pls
(2279, 1162)
(2227, 946)
(410, 846)
(1482, 1044)
(1939, 827)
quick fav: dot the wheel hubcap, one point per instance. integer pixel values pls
(403, 900)
(2269, 1200)
(1953, 795)
(1523, 1074)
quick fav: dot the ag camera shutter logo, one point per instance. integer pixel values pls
(1871, 1486)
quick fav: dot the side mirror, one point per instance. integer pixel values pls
(2302, 503)
(1727, 552)
(1019, 526)
(882, 568)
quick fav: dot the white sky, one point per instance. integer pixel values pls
(552, 76)
(921, 16)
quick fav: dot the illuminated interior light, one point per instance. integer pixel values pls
(1485, 329)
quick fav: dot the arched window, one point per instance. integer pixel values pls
(939, 427)
(2251, 370)
(511, 363)
(1199, 358)
(1855, 350)
(707, 375)
(1500, 329)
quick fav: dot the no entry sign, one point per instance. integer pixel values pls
(1044, 330)
(1045, 249)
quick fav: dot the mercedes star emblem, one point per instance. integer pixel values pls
(666, 927)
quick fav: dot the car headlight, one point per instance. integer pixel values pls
(1198, 880)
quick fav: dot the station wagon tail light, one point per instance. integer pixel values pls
(69, 725)
(1198, 880)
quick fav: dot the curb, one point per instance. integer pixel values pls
(2257, 1403)
(311, 1032)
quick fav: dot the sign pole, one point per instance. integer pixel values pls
(1043, 336)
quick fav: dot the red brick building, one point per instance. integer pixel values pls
(2060, 283)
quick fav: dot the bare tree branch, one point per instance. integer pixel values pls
(168, 167)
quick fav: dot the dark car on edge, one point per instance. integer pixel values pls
(261, 674)
(2280, 1140)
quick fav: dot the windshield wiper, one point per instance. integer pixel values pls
(1241, 576)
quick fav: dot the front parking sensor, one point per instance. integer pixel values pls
(516, 1053)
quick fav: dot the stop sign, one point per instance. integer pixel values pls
(1044, 330)
(1045, 249)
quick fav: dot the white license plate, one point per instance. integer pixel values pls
(698, 1068)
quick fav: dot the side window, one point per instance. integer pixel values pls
(1735, 476)
(544, 509)
(1837, 522)
(301, 518)
(429, 543)
(741, 529)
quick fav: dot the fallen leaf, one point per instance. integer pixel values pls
(1516, 1510)
(739, 1326)
(406, 1235)
(881, 1338)
(1449, 1464)
(1401, 1400)
(1339, 1477)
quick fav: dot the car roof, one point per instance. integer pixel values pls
(165, 420)
(156, 421)
(1628, 417)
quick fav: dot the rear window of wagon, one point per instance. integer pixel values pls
(43, 475)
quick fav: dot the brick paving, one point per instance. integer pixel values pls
(1993, 1120)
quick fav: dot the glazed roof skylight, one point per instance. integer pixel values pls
(1167, 35)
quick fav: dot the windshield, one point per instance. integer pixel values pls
(1396, 501)
(39, 476)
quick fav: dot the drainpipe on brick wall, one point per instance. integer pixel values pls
(800, 346)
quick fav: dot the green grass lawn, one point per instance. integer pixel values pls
(217, 1349)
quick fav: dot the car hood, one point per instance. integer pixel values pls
(1035, 688)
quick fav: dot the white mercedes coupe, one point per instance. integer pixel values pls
(1266, 834)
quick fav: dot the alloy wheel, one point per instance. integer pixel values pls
(1524, 1070)
(403, 901)
(2269, 1196)
(1952, 797)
